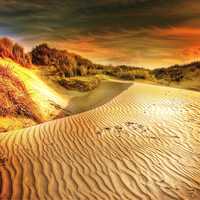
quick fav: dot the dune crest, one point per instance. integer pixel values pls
(144, 144)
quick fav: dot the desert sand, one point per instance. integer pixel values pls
(83, 101)
(143, 144)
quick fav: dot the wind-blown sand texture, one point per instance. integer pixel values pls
(144, 144)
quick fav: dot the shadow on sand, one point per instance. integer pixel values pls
(95, 98)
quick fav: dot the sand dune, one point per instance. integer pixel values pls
(97, 97)
(144, 144)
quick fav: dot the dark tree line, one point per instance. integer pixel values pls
(65, 63)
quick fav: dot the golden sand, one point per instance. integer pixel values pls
(144, 144)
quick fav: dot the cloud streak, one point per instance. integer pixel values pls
(148, 33)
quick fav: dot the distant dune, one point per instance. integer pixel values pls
(144, 144)
(183, 76)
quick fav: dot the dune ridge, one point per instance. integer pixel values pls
(144, 144)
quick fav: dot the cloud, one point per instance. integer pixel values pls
(137, 32)
(178, 32)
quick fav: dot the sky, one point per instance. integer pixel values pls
(145, 33)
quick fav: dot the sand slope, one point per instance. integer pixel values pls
(144, 144)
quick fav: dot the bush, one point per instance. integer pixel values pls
(6, 46)
(65, 63)
(82, 85)
(11, 50)
(174, 73)
(15, 100)
(159, 73)
(126, 75)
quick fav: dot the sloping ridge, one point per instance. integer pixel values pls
(25, 99)
(144, 144)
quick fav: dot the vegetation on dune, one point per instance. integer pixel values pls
(178, 73)
(60, 65)
(126, 72)
(82, 84)
(65, 64)
(15, 99)
(174, 73)
(70, 65)
(14, 51)
(70, 71)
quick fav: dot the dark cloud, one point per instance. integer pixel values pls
(85, 16)
(130, 31)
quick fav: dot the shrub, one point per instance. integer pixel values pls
(65, 63)
(174, 73)
(82, 85)
(6, 46)
(11, 50)
(126, 75)
(159, 73)
(15, 100)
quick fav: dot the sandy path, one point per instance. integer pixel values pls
(144, 144)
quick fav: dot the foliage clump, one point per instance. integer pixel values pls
(9, 49)
(80, 84)
(15, 99)
(66, 64)
(174, 73)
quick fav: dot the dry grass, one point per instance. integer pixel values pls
(15, 99)
(9, 49)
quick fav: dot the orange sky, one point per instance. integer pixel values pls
(146, 33)
(160, 47)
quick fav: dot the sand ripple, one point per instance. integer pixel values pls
(144, 144)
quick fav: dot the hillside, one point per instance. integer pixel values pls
(59, 65)
(25, 99)
(63, 63)
(184, 76)
(15, 102)
(32, 94)
(12, 50)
